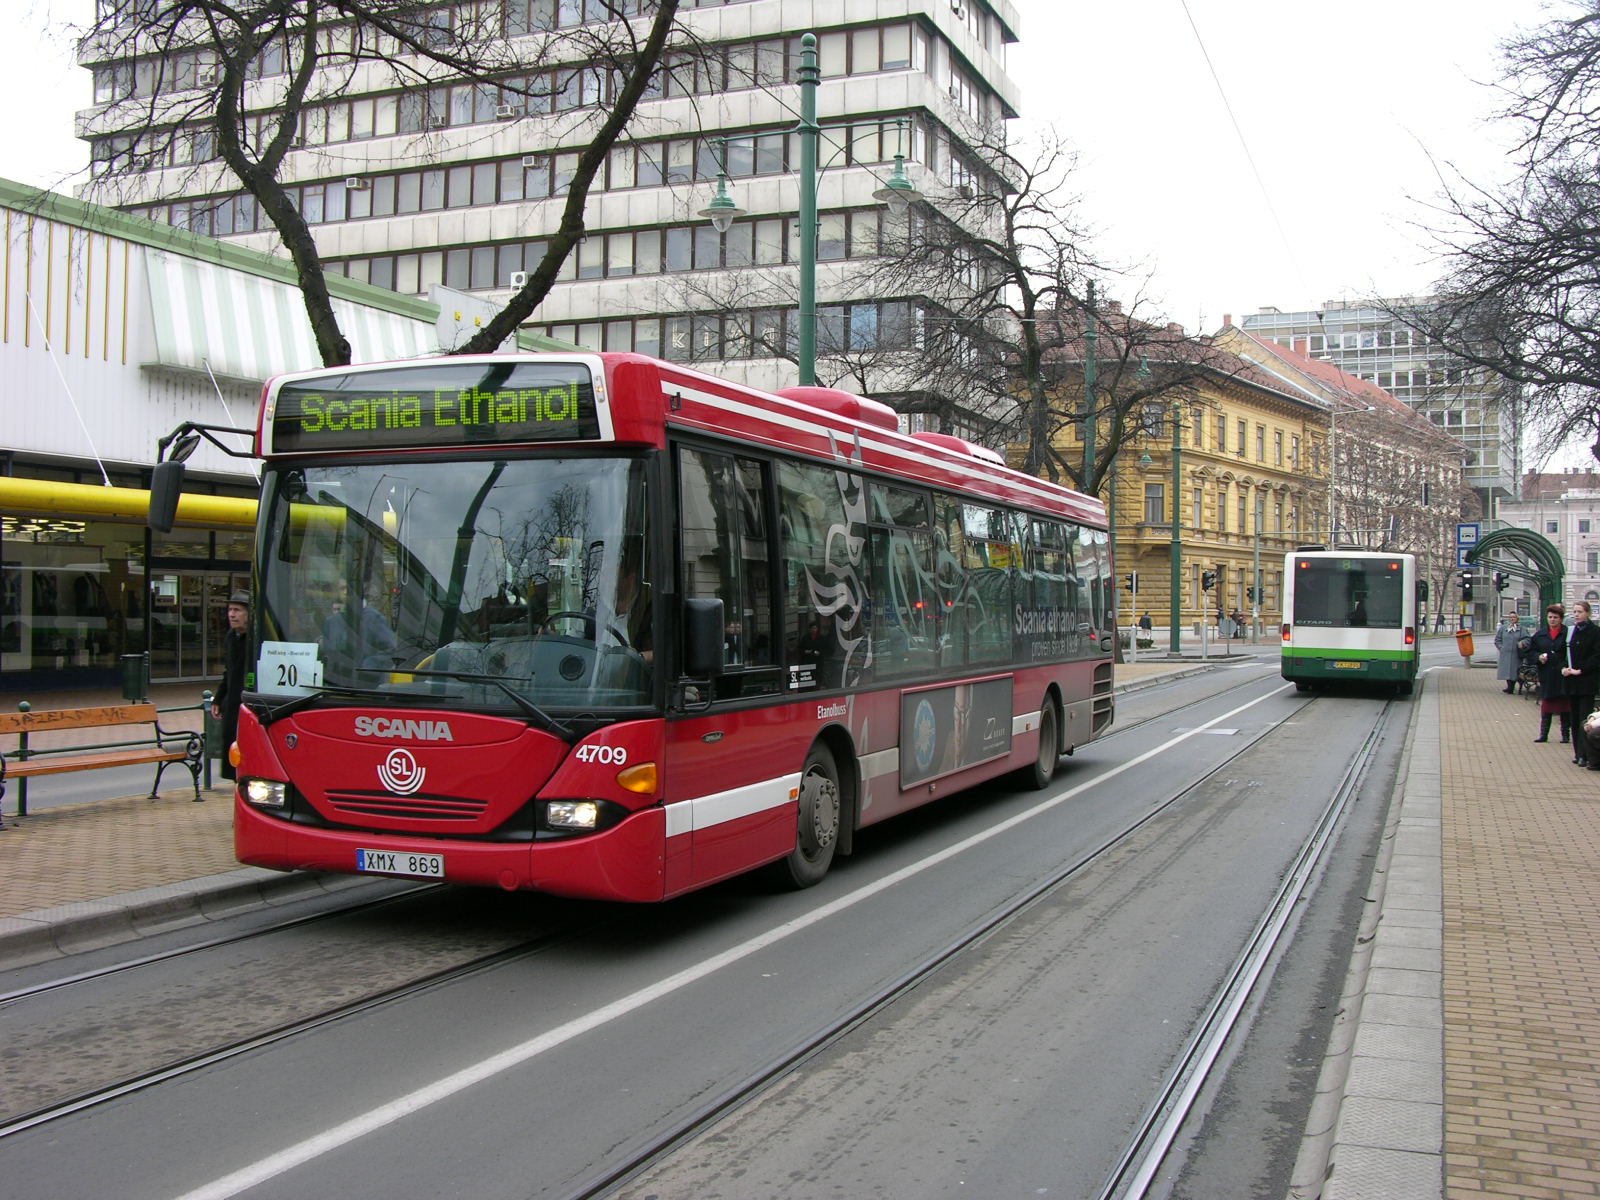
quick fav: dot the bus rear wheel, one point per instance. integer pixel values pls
(817, 826)
(1044, 764)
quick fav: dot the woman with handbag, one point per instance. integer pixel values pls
(1549, 650)
(1580, 674)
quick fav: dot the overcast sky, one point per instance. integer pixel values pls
(1342, 112)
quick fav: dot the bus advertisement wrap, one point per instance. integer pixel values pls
(947, 729)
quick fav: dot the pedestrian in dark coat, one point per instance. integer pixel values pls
(1548, 648)
(1582, 676)
(235, 665)
(1506, 640)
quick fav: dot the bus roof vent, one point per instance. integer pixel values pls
(1309, 548)
(845, 404)
(961, 446)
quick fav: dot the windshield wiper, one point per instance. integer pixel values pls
(559, 728)
(290, 707)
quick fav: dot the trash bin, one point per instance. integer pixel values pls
(135, 678)
(1464, 643)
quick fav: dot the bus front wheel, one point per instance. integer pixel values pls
(817, 827)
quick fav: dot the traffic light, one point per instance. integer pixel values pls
(1500, 581)
(1466, 585)
(1131, 581)
(1208, 580)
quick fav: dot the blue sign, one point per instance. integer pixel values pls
(1468, 534)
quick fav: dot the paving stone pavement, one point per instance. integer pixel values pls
(1521, 857)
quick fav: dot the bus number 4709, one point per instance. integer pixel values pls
(611, 756)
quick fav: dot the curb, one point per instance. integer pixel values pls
(1376, 1126)
(1138, 685)
(67, 929)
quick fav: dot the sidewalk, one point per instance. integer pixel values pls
(1466, 1061)
(1466, 1058)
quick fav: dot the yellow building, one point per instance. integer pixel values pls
(1251, 461)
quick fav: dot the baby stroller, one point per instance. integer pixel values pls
(1527, 669)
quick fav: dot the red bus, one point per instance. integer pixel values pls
(604, 626)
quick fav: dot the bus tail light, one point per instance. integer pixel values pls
(640, 778)
(1411, 636)
(1286, 633)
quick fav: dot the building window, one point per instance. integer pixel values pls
(1155, 504)
(1222, 508)
(1551, 527)
(1277, 447)
(1244, 434)
(1261, 443)
(1294, 451)
(1583, 524)
(1199, 508)
(1222, 434)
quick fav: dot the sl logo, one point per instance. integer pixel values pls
(400, 773)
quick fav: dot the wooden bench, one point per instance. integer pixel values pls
(157, 745)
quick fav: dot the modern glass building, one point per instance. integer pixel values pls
(1369, 343)
(408, 187)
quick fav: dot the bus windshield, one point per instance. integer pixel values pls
(498, 584)
(1349, 593)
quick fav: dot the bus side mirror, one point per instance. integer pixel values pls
(702, 637)
(166, 485)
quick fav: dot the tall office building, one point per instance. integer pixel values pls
(1369, 343)
(411, 187)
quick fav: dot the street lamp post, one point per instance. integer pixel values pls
(897, 192)
(1090, 377)
(1174, 645)
(810, 77)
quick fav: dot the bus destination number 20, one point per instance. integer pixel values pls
(288, 668)
(611, 756)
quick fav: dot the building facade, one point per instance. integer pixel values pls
(1565, 508)
(433, 183)
(1395, 481)
(1237, 457)
(1367, 342)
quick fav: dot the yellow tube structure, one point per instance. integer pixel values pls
(51, 497)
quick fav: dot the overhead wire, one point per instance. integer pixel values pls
(1244, 144)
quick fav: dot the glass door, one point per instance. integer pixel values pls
(190, 611)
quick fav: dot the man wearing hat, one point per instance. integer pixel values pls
(235, 664)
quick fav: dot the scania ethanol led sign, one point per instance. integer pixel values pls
(435, 405)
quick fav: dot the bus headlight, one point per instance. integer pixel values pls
(572, 814)
(266, 793)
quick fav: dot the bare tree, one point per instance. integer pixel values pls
(1521, 297)
(213, 83)
(979, 315)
